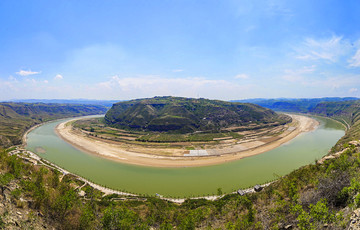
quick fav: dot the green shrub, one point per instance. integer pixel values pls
(120, 218)
(6, 178)
(64, 202)
(87, 216)
(320, 212)
(303, 217)
(2, 223)
(357, 200)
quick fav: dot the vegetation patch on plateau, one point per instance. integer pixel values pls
(187, 115)
(196, 137)
(95, 127)
(173, 126)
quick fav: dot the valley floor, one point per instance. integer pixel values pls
(148, 157)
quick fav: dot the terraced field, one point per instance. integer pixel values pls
(96, 129)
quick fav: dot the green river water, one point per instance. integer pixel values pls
(192, 181)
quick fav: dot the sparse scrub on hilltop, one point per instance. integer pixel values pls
(186, 115)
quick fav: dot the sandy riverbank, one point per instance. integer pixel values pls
(126, 155)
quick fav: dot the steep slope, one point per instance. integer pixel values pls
(187, 114)
(15, 118)
(346, 112)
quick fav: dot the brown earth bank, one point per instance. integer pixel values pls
(148, 156)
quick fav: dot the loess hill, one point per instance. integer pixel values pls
(16, 118)
(184, 115)
(346, 112)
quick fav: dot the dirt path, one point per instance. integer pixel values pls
(126, 155)
(36, 160)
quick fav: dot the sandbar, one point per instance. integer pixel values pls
(118, 153)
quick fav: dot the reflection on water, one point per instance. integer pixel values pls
(196, 181)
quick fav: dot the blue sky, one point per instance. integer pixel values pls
(207, 48)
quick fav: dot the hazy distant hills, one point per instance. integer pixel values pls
(349, 111)
(186, 114)
(107, 103)
(15, 118)
(301, 105)
(346, 110)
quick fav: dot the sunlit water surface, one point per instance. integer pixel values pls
(192, 181)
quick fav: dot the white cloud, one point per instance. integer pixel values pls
(307, 77)
(12, 79)
(32, 80)
(355, 60)
(297, 74)
(148, 86)
(117, 87)
(27, 72)
(303, 70)
(177, 70)
(353, 90)
(58, 77)
(241, 76)
(326, 84)
(156, 82)
(329, 49)
(293, 78)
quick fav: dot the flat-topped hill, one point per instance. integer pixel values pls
(183, 115)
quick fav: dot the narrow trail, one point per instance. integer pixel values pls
(36, 160)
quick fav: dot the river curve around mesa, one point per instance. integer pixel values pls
(185, 182)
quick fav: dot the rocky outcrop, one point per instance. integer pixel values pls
(354, 220)
(15, 213)
(332, 156)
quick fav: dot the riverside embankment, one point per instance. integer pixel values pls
(188, 181)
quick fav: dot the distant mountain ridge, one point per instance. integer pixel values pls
(346, 112)
(187, 114)
(107, 103)
(15, 118)
(300, 105)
